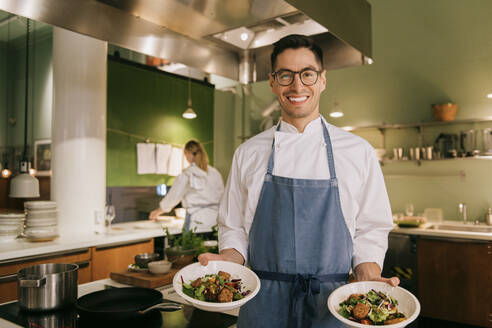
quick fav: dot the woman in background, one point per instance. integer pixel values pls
(199, 189)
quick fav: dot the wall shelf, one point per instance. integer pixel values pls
(421, 124)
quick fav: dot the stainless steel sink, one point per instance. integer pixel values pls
(468, 228)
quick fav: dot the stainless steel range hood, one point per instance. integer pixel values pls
(230, 38)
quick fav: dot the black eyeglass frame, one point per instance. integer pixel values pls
(275, 74)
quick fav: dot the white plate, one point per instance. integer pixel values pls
(193, 271)
(40, 205)
(41, 222)
(15, 216)
(43, 214)
(147, 225)
(407, 303)
(163, 218)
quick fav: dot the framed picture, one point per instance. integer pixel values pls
(42, 157)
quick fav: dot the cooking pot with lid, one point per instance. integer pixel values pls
(47, 286)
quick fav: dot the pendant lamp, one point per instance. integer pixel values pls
(336, 111)
(189, 113)
(25, 185)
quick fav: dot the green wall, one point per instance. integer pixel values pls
(149, 103)
(425, 52)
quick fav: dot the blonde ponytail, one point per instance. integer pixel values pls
(201, 157)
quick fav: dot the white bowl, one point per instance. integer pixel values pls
(159, 267)
(12, 216)
(380, 152)
(407, 303)
(193, 271)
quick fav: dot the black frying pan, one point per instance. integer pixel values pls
(121, 303)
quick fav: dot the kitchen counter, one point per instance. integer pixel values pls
(168, 293)
(426, 230)
(121, 233)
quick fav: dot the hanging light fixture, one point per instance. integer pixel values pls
(189, 113)
(25, 185)
(336, 111)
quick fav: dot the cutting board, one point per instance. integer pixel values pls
(143, 279)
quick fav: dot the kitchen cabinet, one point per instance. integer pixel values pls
(8, 271)
(117, 257)
(454, 280)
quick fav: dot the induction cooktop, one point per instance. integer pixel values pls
(188, 316)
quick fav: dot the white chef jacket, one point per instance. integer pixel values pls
(364, 200)
(200, 194)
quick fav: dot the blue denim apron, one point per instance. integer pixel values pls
(300, 248)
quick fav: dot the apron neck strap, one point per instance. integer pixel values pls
(329, 150)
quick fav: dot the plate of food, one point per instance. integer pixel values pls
(375, 303)
(216, 287)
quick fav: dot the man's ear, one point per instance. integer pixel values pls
(271, 80)
(322, 79)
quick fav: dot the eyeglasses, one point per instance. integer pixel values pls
(285, 77)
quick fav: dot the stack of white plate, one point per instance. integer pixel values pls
(41, 220)
(11, 225)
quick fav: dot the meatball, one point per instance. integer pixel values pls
(196, 283)
(225, 296)
(360, 311)
(224, 275)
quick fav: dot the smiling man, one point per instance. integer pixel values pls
(305, 202)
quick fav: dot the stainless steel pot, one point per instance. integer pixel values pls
(47, 286)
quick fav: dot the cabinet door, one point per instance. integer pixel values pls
(8, 271)
(116, 258)
(454, 280)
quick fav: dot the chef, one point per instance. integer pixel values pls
(199, 188)
(304, 204)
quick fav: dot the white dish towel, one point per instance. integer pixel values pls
(175, 162)
(162, 156)
(146, 158)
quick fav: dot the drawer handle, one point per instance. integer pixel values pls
(10, 277)
(83, 264)
(36, 283)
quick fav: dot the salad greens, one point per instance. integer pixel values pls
(215, 288)
(372, 308)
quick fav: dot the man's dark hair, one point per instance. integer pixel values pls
(296, 41)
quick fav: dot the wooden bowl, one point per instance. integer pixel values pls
(444, 112)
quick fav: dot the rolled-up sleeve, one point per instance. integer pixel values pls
(232, 233)
(175, 194)
(374, 220)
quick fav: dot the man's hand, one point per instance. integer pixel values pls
(229, 254)
(372, 271)
(155, 213)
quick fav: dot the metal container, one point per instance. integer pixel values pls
(488, 216)
(47, 286)
(143, 259)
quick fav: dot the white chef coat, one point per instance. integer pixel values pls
(200, 194)
(364, 200)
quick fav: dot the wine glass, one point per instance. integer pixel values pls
(409, 209)
(110, 214)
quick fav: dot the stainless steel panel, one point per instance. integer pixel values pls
(183, 30)
(349, 20)
(119, 27)
(208, 16)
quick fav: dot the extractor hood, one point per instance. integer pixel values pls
(230, 38)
